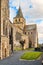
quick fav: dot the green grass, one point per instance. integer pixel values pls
(30, 49)
(31, 55)
(17, 49)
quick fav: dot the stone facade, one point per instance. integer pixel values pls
(31, 31)
(27, 32)
(12, 33)
(6, 30)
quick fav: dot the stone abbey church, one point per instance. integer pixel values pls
(12, 33)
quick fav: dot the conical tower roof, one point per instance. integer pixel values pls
(19, 13)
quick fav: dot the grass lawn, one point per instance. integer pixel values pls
(17, 49)
(31, 55)
(30, 49)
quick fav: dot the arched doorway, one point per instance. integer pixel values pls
(30, 44)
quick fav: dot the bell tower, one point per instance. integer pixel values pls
(19, 20)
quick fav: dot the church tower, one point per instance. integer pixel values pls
(4, 13)
(4, 30)
(19, 20)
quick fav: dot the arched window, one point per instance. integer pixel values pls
(4, 27)
(31, 32)
(19, 19)
(25, 32)
(5, 32)
(16, 20)
(28, 32)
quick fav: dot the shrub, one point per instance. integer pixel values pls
(37, 49)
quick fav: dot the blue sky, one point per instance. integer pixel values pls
(32, 12)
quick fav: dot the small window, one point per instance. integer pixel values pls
(31, 32)
(28, 32)
(16, 20)
(25, 32)
(19, 19)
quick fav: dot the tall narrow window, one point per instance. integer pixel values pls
(4, 27)
(19, 19)
(6, 30)
(16, 20)
(28, 32)
(25, 32)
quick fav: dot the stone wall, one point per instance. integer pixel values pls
(4, 47)
(26, 44)
(31, 31)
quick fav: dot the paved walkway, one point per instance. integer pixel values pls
(15, 60)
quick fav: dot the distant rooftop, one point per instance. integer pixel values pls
(30, 27)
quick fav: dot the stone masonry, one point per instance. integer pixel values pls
(12, 33)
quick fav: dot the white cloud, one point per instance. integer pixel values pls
(12, 13)
(35, 12)
(40, 31)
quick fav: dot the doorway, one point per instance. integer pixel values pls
(5, 52)
(30, 44)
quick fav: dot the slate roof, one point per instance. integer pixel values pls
(30, 27)
(19, 13)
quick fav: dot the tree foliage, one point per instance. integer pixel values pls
(22, 43)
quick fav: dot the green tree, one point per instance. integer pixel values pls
(22, 44)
